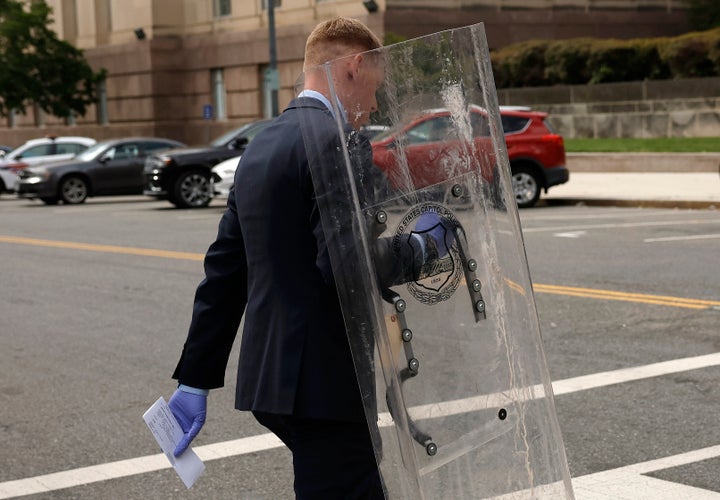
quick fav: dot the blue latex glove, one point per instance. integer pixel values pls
(190, 410)
(432, 225)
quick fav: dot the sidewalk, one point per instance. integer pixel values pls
(640, 180)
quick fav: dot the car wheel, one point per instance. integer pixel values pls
(192, 190)
(526, 186)
(49, 201)
(73, 190)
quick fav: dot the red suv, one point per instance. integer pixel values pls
(431, 146)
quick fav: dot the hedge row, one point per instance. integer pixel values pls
(588, 60)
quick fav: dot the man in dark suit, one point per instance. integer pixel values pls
(270, 263)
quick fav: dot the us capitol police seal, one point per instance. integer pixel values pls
(441, 272)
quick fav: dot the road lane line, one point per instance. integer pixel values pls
(145, 252)
(594, 293)
(537, 287)
(140, 465)
(682, 238)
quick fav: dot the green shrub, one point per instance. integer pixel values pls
(584, 60)
(623, 61)
(523, 64)
(714, 54)
(566, 63)
(688, 55)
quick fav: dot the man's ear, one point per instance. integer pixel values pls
(354, 66)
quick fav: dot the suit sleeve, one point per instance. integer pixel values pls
(220, 302)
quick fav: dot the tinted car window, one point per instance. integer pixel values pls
(512, 124)
(433, 130)
(125, 151)
(69, 148)
(41, 150)
(151, 147)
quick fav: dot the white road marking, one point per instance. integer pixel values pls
(630, 483)
(140, 465)
(681, 238)
(597, 213)
(571, 234)
(621, 225)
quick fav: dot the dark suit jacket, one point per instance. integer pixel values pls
(270, 260)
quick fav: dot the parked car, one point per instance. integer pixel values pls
(112, 167)
(183, 176)
(223, 176)
(536, 153)
(37, 151)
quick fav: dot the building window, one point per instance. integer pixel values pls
(218, 93)
(222, 7)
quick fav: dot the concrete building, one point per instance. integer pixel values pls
(192, 69)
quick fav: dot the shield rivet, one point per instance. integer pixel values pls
(407, 335)
(457, 190)
(502, 414)
(431, 449)
(400, 305)
(476, 285)
(413, 365)
(381, 217)
(472, 265)
(480, 306)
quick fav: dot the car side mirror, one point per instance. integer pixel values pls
(238, 143)
(105, 158)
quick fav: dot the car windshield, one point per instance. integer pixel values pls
(387, 133)
(228, 136)
(93, 151)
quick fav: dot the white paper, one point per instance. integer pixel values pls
(167, 432)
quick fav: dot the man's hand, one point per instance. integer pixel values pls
(190, 410)
(440, 232)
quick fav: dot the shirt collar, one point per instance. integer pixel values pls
(320, 97)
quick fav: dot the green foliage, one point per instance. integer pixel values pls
(581, 61)
(688, 55)
(391, 38)
(39, 68)
(522, 63)
(565, 63)
(622, 61)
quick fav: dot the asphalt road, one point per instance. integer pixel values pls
(92, 325)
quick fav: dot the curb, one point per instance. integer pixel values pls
(643, 162)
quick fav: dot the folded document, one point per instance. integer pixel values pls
(166, 429)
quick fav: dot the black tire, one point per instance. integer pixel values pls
(49, 201)
(73, 190)
(526, 186)
(192, 190)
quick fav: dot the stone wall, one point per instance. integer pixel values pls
(652, 108)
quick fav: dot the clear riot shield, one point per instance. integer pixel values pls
(427, 254)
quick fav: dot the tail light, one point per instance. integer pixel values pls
(554, 139)
(558, 145)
